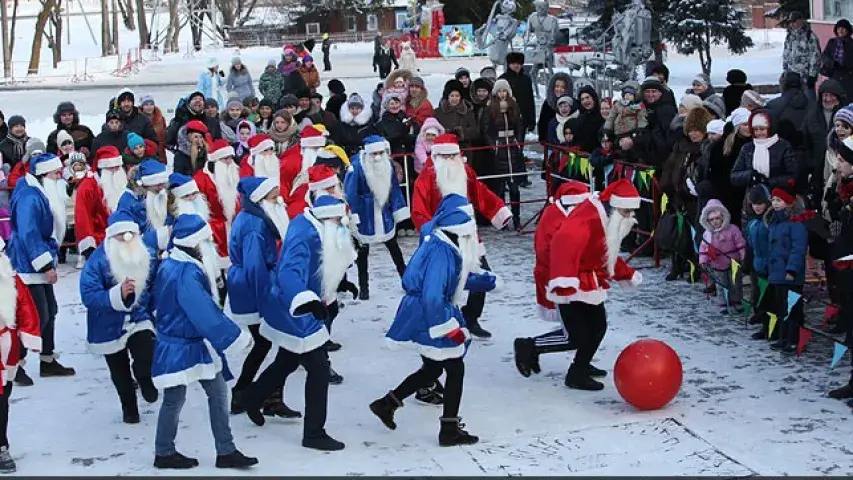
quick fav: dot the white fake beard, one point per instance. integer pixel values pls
(56, 196)
(618, 227)
(469, 248)
(113, 184)
(338, 254)
(378, 176)
(309, 156)
(267, 165)
(156, 207)
(129, 260)
(226, 176)
(197, 205)
(276, 212)
(8, 293)
(451, 177)
(210, 260)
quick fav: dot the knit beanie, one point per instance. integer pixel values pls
(691, 101)
(16, 120)
(751, 99)
(845, 115)
(758, 194)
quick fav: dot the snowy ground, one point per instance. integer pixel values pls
(743, 409)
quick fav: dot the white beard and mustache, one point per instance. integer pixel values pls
(276, 212)
(129, 260)
(617, 228)
(226, 176)
(8, 293)
(267, 165)
(57, 196)
(157, 208)
(451, 177)
(377, 173)
(337, 256)
(469, 248)
(197, 205)
(113, 184)
(210, 261)
(309, 156)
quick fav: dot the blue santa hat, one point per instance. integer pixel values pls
(151, 172)
(182, 185)
(190, 230)
(328, 206)
(375, 143)
(121, 221)
(455, 215)
(256, 188)
(44, 163)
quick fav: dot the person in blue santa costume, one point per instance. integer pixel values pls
(115, 287)
(377, 204)
(38, 225)
(147, 201)
(583, 259)
(256, 234)
(446, 263)
(193, 339)
(316, 253)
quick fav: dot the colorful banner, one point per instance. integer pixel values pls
(837, 353)
(457, 41)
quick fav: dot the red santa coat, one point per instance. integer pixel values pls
(291, 167)
(90, 214)
(219, 223)
(551, 220)
(427, 196)
(19, 320)
(18, 171)
(578, 268)
(298, 201)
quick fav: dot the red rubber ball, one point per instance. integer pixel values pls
(648, 374)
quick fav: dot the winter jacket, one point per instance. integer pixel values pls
(625, 119)
(336, 102)
(842, 71)
(522, 90)
(815, 130)
(732, 95)
(294, 83)
(271, 86)
(801, 53)
(458, 120)
(10, 152)
(349, 133)
(375, 223)
(549, 106)
(117, 139)
(758, 238)
(505, 129)
(651, 145)
(184, 115)
(720, 246)
(419, 109)
(376, 104)
(158, 121)
(311, 77)
(82, 135)
(788, 113)
(241, 83)
(382, 59)
(422, 148)
(589, 121)
(789, 239)
(212, 86)
(396, 130)
(681, 165)
(32, 249)
(783, 166)
(714, 180)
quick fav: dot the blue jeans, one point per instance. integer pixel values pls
(170, 413)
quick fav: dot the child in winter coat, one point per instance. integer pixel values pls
(252, 104)
(245, 130)
(758, 250)
(265, 110)
(398, 83)
(423, 145)
(603, 156)
(65, 142)
(234, 114)
(555, 125)
(722, 243)
(309, 73)
(134, 154)
(628, 113)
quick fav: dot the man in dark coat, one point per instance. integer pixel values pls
(788, 112)
(68, 118)
(327, 46)
(113, 133)
(651, 145)
(14, 145)
(337, 98)
(192, 109)
(522, 88)
(733, 92)
(816, 127)
(133, 120)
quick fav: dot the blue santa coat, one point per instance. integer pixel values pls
(193, 335)
(32, 248)
(296, 281)
(109, 322)
(154, 238)
(375, 224)
(252, 250)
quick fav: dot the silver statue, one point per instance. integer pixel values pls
(632, 35)
(498, 32)
(541, 53)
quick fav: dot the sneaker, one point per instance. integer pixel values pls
(22, 379)
(429, 396)
(332, 346)
(596, 372)
(334, 377)
(235, 459)
(53, 368)
(279, 409)
(842, 393)
(175, 461)
(7, 464)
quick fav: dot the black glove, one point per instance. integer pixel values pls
(315, 308)
(758, 178)
(88, 252)
(334, 309)
(222, 74)
(811, 82)
(347, 286)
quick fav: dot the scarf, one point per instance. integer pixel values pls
(761, 157)
(19, 143)
(285, 136)
(838, 54)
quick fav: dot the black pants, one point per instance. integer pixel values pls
(364, 251)
(327, 62)
(254, 359)
(69, 238)
(586, 325)
(316, 363)
(789, 325)
(512, 185)
(473, 308)
(45, 302)
(140, 347)
(427, 375)
(4, 413)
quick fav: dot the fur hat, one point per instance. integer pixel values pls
(751, 99)
(691, 101)
(462, 72)
(735, 76)
(716, 105)
(452, 86)
(514, 57)
(697, 120)
(501, 84)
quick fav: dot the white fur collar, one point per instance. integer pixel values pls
(361, 119)
(182, 256)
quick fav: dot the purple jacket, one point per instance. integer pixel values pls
(719, 247)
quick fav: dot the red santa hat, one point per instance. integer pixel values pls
(221, 150)
(197, 126)
(445, 144)
(260, 142)
(573, 192)
(621, 194)
(312, 137)
(321, 177)
(107, 156)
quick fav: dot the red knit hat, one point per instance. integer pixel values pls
(197, 126)
(321, 177)
(106, 157)
(445, 144)
(220, 150)
(785, 193)
(621, 194)
(260, 142)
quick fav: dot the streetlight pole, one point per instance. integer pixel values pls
(7, 55)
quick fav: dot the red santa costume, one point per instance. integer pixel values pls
(298, 201)
(219, 188)
(262, 160)
(582, 261)
(295, 164)
(97, 196)
(19, 319)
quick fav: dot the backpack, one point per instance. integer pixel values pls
(671, 233)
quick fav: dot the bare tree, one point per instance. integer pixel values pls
(12, 30)
(171, 43)
(126, 10)
(144, 33)
(54, 35)
(41, 23)
(106, 35)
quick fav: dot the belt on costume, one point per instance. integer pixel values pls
(161, 337)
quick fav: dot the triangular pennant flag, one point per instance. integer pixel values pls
(735, 269)
(586, 167)
(634, 177)
(693, 238)
(838, 352)
(831, 311)
(692, 272)
(762, 289)
(664, 201)
(793, 298)
(805, 336)
(772, 324)
(747, 308)
(644, 180)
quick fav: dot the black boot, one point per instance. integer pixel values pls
(274, 406)
(596, 372)
(516, 223)
(452, 433)
(50, 367)
(148, 390)
(842, 393)
(385, 407)
(22, 379)
(476, 330)
(236, 402)
(324, 443)
(675, 270)
(760, 335)
(580, 379)
(332, 346)
(235, 459)
(432, 396)
(526, 356)
(175, 461)
(363, 278)
(129, 407)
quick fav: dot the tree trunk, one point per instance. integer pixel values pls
(144, 34)
(173, 30)
(707, 45)
(56, 20)
(41, 22)
(127, 12)
(115, 27)
(244, 14)
(106, 40)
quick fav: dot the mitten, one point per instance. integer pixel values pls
(457, 336)
(333, 309)
(712, 252)
(480, 282)
(347, 286)
(315, 308)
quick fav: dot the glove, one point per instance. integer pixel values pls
(480, 282)
(347, 286)
(315, 308)
(333, 309)
(692, 188)
(457, 336)
(835, 228)
(88, 252)
(758, 178)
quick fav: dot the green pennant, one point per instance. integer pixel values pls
(680, 222)
(747, 308)
(762, 288)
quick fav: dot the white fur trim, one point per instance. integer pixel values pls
(244, 319)
(377, 147)
(402, 214)
(186, 189)
(87, 243)
(48, 166)
(445, 149)
(265, 144)
(199, 371)
(154, 179)
(31, 342)
(42, 261)
(845, 259)
(223, 153)
(196, 238)
(117, 345)
(332, 211)
(574, 199)
(501, 218)
(110, 162)
(225, 262)
(115, 229)
(323, 184)
(439, 354)
(263, 189)
(116, 300)
(547, 314)
(33, 278)
(293, 343)
(466, 228)
(592, 297)
(240, 344)
(441, 330)
(316, 142)
(624, 202)
(302, 298)
(636, 279)
(354, 219)
(499, 283)
(162, 237)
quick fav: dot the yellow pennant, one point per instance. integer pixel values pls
(735, 269)
(664, 201)
(772, 324)
(692, 272)
(585, 167)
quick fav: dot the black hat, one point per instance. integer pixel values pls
(794, 16)
(843, 23)
(758, 194)
(336, 86)
(125, 94)
(514, 57)
(736, 76)
(195, 94)
(662, 70)
(114, 114)
(266, 102)
(289, 100)
(791, 81)
(452, 86)
(16, 120)
(210, 102)
(66, 107)
(316, 95)
(462, 72)
(303, 93)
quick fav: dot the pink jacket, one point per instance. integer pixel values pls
(422, 148)
(719, 247)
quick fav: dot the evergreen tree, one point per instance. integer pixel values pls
(692, 26)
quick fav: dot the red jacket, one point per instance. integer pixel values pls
(219, 223)
(421, 113)
(90, 214)
(19, 320)
(19, 170)
(291, 167)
